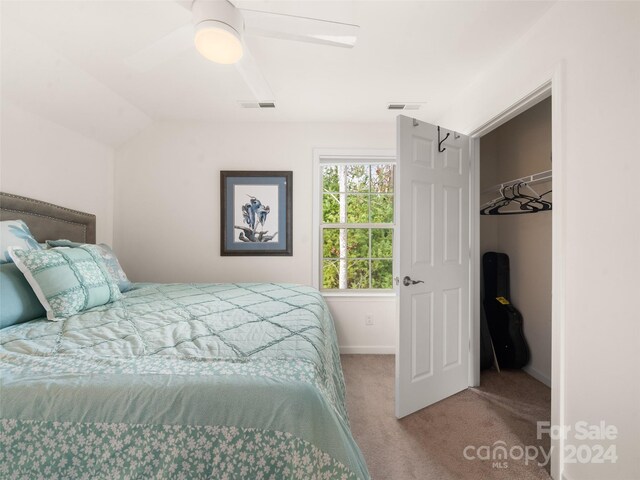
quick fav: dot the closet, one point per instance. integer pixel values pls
(516, 198)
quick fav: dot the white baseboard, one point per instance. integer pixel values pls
(538, 376)
(374, 350)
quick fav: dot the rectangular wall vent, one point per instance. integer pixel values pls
(404, 106)
(257, 104)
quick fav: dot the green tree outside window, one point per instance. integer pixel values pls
(357, 230)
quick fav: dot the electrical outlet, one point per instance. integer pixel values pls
(368, 319)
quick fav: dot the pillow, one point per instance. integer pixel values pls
(15, 233)
(64, 243)
(18, 303)
(67, 280)
(110, 260)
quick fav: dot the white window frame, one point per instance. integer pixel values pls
(322, 156)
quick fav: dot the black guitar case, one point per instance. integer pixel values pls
(503, 319)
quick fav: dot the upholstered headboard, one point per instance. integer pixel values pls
(48, 221)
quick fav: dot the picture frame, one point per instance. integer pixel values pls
(256, 217)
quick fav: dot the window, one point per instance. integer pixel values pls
(356, 225)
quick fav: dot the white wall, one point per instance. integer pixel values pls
(516, 149)
(598, 46)
(167, 210)
(43, 160)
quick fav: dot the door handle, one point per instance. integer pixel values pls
(407, 281)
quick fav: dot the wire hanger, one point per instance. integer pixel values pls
(535, 200)
(513, 202)
(509, 198)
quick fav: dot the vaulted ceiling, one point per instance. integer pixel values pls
(66, 61)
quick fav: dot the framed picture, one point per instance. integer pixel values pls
(256, 213)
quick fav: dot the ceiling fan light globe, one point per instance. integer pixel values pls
(218, 42)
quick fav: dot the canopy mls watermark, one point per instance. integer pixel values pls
(579, 446)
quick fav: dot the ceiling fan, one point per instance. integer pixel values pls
(218, 30)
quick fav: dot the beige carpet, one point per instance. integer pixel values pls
(429, 444)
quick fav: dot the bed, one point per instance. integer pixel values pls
(228, 381)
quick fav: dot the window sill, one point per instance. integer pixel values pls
(352, 294)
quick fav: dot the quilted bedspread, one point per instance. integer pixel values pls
(223, 381)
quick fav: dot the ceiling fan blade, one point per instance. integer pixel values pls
(301, 29)
(162, 50)
(253, 77)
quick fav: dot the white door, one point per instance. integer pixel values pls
(433, 215)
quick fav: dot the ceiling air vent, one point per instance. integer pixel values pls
(257, 104)
(404, 106)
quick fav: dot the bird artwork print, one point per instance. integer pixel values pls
(254, 214)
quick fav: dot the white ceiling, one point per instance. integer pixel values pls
(65, 60)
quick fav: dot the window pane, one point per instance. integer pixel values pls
(330, 273)
(382, 208)
(382, 178)
(357, 208)
(358, 243)
(358, 274)
(366, 194)
(331, 242)
(331, 208)
(358, 178)
(381, 274)
(381, 243)
(330, 179)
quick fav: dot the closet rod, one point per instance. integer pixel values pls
(529, 180)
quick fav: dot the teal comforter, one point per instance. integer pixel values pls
(187, 381)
